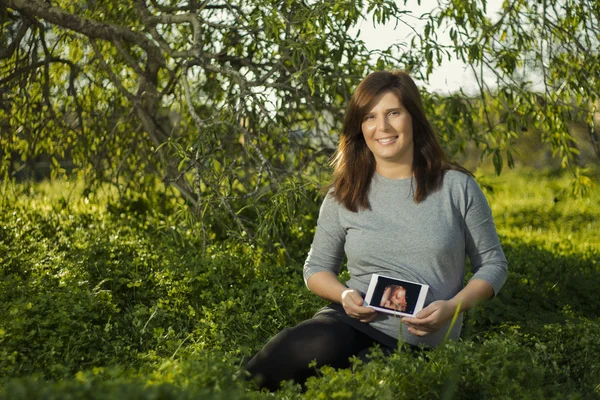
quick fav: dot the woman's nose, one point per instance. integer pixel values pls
(382, 124)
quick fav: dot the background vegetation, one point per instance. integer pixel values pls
(186, 144)
(226, 103)
(101, 299)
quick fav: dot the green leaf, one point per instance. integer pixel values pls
(497, 159)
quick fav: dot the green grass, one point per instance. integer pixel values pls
(108, 299)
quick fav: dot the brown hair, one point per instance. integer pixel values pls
(354, 164)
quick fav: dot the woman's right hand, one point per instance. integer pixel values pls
(326, 285)
(352, 302)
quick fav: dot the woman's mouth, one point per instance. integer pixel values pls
(387, 140)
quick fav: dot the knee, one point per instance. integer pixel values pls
(288, 355)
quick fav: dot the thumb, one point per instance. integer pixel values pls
(427, 311)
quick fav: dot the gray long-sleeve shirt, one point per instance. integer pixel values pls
(426, 242)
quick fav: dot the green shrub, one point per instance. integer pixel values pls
(125, 300)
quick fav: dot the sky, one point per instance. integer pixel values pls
(453, 74)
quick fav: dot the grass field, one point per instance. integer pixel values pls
(102, 300)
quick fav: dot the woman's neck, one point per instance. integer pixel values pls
(394, 171)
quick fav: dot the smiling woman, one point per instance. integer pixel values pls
(388, 133)
(396, 207)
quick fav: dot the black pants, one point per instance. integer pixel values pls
(324, 339)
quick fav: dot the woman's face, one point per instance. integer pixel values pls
(387, 129)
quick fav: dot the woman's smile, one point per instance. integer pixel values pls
(388, 132)
(388, 140)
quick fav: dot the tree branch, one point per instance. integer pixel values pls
(31, 67)
(111, 75)
(8, 52)
(91, 28)
(153, 20)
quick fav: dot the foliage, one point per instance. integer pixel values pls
(525, 53)
(225, 103)
(105, 300)
(133, 287)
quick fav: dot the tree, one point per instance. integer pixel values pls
(231, 102)
(544, 59)
(217, 98)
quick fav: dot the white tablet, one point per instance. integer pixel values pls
(395, 296)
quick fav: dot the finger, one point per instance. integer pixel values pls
(421, 325)
(365, 316)
(415, 322)
(369, 318)
(365, 310)
(361, 313)
(422, 322)
(350, 312)
(427, 311)
(350, 306)
(418, 332)
(420, 329)
(355, 311)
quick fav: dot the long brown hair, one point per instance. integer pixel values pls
(354, 164)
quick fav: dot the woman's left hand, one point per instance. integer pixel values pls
(431, 318)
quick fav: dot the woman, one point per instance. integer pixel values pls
(398, 208)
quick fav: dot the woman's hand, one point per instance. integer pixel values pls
(352, 302)
(431, 318)
(434, 316)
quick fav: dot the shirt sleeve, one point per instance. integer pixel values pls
(482, 243)
(327, 249)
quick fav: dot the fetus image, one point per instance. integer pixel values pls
(394, 297)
